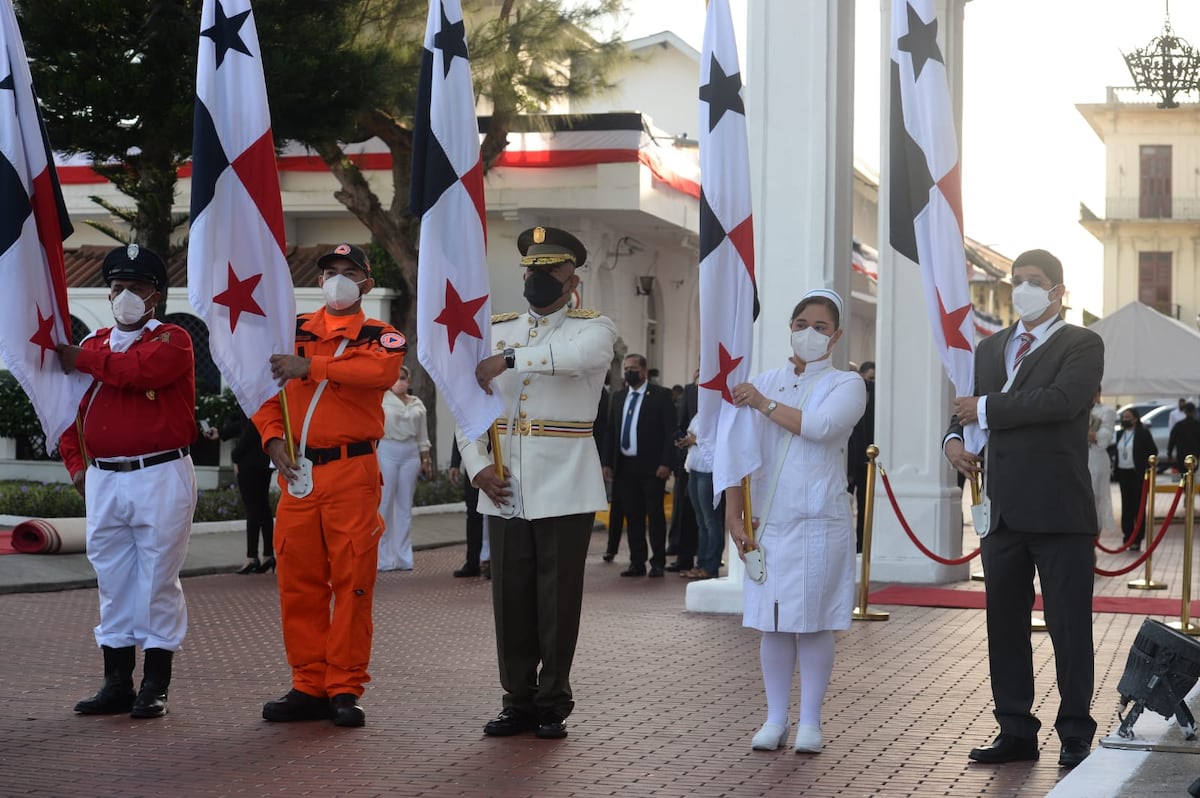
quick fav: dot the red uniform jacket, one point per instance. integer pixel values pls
(351, 407)
(143, 400)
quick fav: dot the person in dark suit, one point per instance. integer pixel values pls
(638, 456)
(856, 450)
(253, 472)
(476, 564)
(1034, 384)
(684, 534)
(1134, 445)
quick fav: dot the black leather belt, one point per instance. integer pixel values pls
(144, 462)
(321, 456)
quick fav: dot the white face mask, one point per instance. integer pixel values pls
(809, 345)
(340, 291)
(128, 307)
(1029, 301)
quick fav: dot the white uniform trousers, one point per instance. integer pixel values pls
(399, 464)
(138, 523)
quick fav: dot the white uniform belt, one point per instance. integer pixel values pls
(553, 429)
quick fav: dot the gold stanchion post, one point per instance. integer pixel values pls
(1148, 582)
(1189, 530)
(863, 612)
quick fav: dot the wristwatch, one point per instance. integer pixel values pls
(510, 358)
(771, 405)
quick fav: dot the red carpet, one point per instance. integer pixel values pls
(6, 542)
(917, 596)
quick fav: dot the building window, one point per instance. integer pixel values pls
(1155, 183)
(1154, 281)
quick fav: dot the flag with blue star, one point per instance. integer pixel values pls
(239, 280)
(34, 314)
(453, 302)
(926, 222)
(728, 297)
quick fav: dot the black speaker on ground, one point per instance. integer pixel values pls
(1163, 666)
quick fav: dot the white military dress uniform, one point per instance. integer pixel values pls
(550, 401)
(538, 556)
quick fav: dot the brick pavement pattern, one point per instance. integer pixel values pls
(667, 701)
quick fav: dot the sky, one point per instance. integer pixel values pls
(1028, 156)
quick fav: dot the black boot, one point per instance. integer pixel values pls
(151, 699)
(116, 695)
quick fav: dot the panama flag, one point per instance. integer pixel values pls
(453, 306)
(238, 275)
(926, 190)
(34, 317)
(728, 301)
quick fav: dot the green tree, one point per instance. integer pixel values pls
(117, 78)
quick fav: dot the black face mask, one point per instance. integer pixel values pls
(541, 289)
(633, 378)
(1127, 424)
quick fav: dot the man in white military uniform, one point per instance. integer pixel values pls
(550, 369)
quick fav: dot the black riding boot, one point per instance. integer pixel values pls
(116, 695)
(151, 699)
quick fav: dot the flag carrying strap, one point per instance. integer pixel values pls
(786, 444)
(312, 406)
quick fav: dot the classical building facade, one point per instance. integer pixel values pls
(1150, 222)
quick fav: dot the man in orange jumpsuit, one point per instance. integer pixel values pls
(328, 525)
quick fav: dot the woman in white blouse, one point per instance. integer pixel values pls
(403, 452)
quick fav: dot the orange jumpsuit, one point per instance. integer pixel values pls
(326, 543)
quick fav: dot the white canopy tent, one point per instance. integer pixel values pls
(1148, 354)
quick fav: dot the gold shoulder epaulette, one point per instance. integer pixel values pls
(499, 317)
(579, 313)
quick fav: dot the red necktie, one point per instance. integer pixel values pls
(1023, 349)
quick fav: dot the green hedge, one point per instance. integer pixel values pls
(59, 500)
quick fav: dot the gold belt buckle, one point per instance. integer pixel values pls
(524, 427)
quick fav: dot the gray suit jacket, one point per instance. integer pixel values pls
(1037, 452)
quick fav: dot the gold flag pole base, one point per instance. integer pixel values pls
(869, 615)
(1188, 629)
(1037, 624)
(1146, 584)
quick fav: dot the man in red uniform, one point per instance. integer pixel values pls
(327, 525)
(135, 473)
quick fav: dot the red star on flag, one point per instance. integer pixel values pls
(720, 381)
(238, 296)
(44, 336)
(459, 316)
(952, 325)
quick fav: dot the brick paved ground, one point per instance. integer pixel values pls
(667, 701)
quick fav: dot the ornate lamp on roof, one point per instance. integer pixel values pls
(1167, 66)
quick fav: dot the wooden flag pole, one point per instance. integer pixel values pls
(747, 516)
(287, 426)
(497, 455)
(87, 461)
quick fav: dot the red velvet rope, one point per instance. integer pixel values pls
(1154, 544)
(887, 486)
(1137, 525)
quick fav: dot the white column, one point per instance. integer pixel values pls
(913, 395)
(799, 104)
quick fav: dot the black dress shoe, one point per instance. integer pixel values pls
(346, 711)
(151, 701)
(551, 728)
(634, 570)
(467, 570)
(655, 571)
(1074, 750)
(297, 706)
(113, 699)
(609, 557)
(1006, 748)
(510, 722)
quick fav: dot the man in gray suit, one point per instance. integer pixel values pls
(1034, 386)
